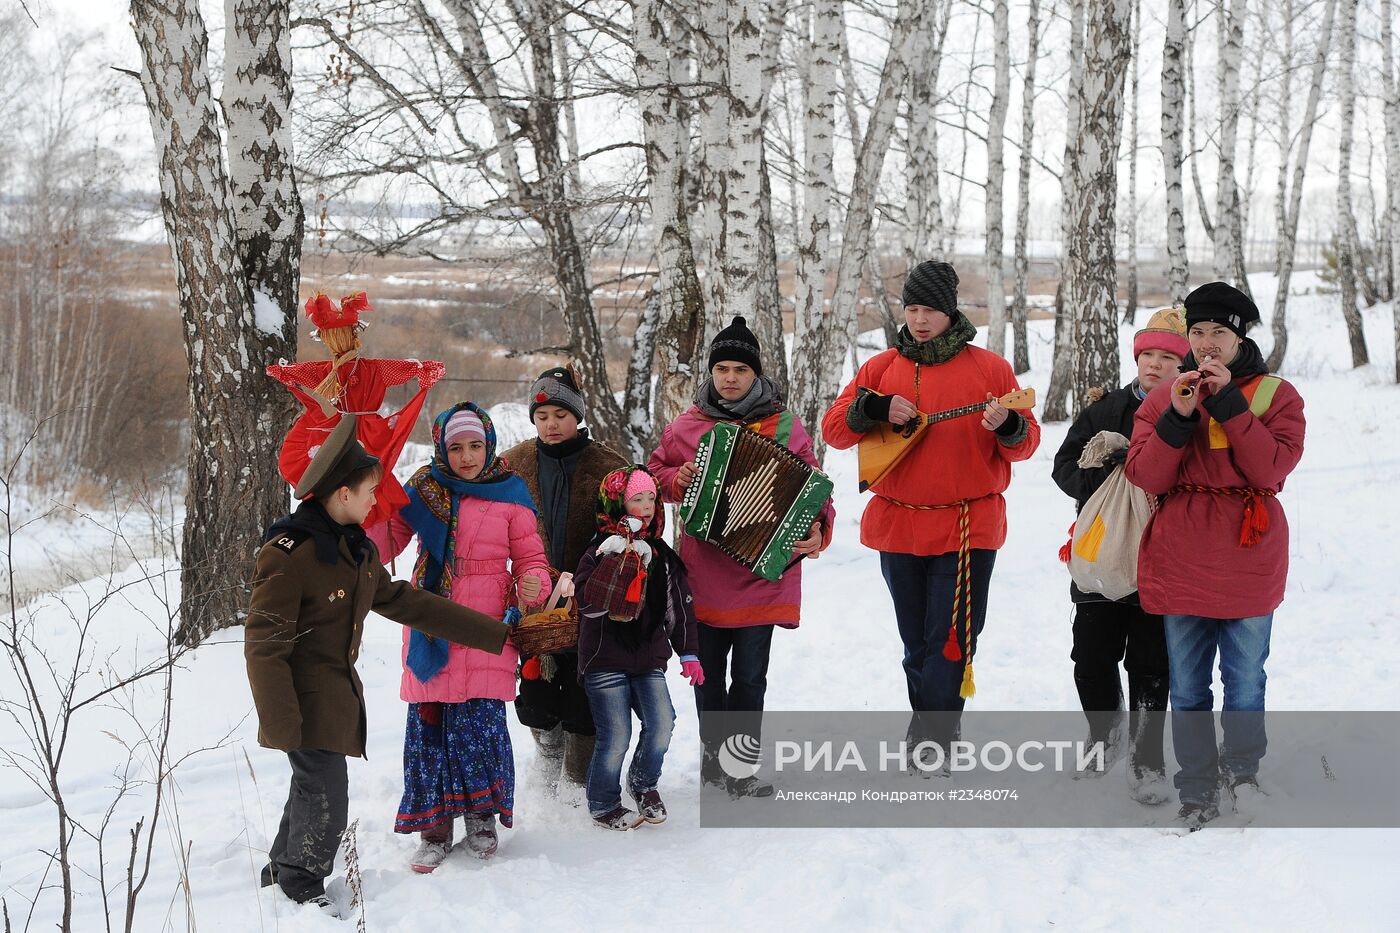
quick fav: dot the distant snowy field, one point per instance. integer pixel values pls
(1334, 648)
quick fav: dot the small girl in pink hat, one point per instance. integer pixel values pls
(622, 664)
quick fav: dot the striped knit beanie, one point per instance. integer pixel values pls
(933, 284)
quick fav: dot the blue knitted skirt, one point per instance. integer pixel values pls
(456, 759)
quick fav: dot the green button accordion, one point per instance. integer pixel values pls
(752, 498)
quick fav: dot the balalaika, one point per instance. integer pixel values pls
(752, 498)
(882, 447)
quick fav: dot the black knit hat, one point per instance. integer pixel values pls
(738, 344)
(933, 284)
(1221, 303)
(557, 387)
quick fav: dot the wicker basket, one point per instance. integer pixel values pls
(554, 628)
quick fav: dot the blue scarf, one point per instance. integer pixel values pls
(434, 497)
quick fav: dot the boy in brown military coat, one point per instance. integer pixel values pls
(317, 577)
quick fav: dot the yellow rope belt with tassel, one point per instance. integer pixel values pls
(962, 593)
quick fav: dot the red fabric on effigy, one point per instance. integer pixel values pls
(365, 383)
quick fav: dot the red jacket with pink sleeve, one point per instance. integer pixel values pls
(1192, 561)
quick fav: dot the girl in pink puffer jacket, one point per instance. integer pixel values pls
(479, 544)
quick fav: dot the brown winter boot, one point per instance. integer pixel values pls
(578, 752)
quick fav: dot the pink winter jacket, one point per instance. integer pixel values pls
(494, 540)
(726, 594)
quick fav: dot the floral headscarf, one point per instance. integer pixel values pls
(612, 505)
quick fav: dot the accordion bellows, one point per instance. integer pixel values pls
(752, 498)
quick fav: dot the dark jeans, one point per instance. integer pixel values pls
(1106, 633)
(614, 696)
(313, 819)
(741, 688)
(1192, 642)
(922, 589)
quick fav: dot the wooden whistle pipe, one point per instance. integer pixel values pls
(1186, 391)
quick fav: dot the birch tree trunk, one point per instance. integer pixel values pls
(1092, 283)
(855, 240)
(547, 202)
(715, 155)
(1130, 313)
(643, 431)
(769, 326)
(267, 208)
(1173, 103)
(1021, 361)
(662, 67)
(238, 419)
(1392, 165)
(924, 236)
(1062, 368)
(744, 23)
(1289, 239)
(1229, 42)
(1346, 219)
(1284, 117)
(543, 198)
(996, 175)
(813, 318)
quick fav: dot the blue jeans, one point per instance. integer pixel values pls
(1191, 647)
(613, 696)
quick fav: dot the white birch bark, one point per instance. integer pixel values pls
(996, 177)
(714, 157)
(1063, 365)
(855, 240)
(545, 196)
(812, 314)
(567, 106)
(1282, 34)
(1346, 219)
(1173, 154)
(924, 236)
(1092, 283)
(1229, 43)
(1288, 242)
(1131, 222)
(237, 420)
(662, 67)
(769, 308)
(744, 24)
(257, 98)
(1020, 350)
(1392, 165)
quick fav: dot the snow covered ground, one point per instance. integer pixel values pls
(1334, 649)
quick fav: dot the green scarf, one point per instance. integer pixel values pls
(938, 349)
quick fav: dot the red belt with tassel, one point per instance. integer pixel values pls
(1256, 514)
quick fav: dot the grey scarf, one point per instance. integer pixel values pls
(763, 399)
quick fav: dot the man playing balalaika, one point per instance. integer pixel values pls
(937, 517)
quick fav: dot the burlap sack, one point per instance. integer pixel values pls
(1104, 552)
